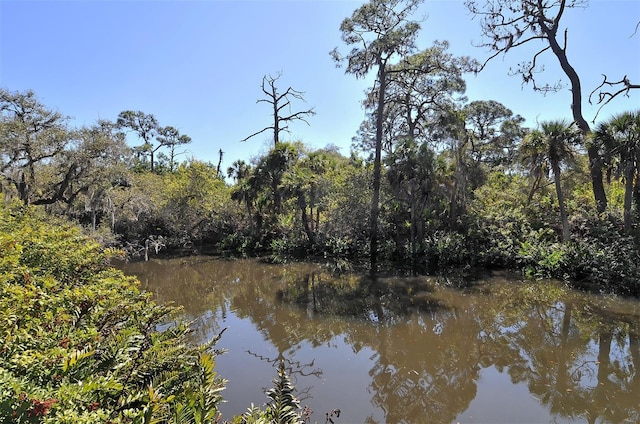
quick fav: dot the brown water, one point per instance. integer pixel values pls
(410, 350)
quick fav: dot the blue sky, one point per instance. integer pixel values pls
(197, 65)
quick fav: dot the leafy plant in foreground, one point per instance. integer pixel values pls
(82, 344)
(284, 407)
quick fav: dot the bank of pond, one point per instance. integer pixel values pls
(89, 338)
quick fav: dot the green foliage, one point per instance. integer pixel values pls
(284, 407)
(447, 250)
(346, 219)
(504, 231)
(81, 343)
(499, 221)
(236, 244)
(599, 256)
(542, 260)
(196, 204)
(451, 194)
(604, 256)
(190, 206)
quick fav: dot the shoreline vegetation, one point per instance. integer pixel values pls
(83, 344)
(434, 183)
(464, 199)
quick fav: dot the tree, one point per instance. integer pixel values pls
(272, 168)
(550, 147)
(451, 129)
(619, 138)
(171, 138)
(297, 185)
(145, 126)
(261, 187)
(495, 131)
(31, 137)
(242, 191)
(321, 165)
(508, 24)
(100, 155)
(278, 102)
(622, 87)
(411, 178)
(418, 88)
(238, 170)
(378, 31)
(194, 203)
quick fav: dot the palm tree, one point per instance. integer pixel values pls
(619, 140)
(548, 148)
(238, 170)
(243, 192)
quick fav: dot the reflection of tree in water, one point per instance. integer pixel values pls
(294, 370)
(430, 377)
(552, 341)
(286, 328)
(612, 393)
(578, 354)
(206, 287)
(426, 363)
(565, 343)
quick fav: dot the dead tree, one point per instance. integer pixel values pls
(280, 102)
(624, 86)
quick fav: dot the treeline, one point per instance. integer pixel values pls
(433, 182)
(476, 189)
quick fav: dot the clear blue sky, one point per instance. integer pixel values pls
(197, 65)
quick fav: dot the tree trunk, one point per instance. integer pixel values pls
(247, 203)
(94, 218)
(628, 194)
(382, 77)
(302, 205)
(414, 253)
(563, 212)
(595, 162)
(23, 188)
(220, 153)
(276, 118)
(562, 377)
(595, 169)
(459, 198)
(634, 349)
(172, 158)
(604, 360)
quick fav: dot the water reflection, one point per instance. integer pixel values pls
(412, 349)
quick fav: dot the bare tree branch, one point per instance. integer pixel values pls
(604, 97)
(635, 30)
(279, 102)
(257, 132)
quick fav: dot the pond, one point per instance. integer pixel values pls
(410, 349)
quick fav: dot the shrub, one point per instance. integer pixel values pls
(82, 344)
